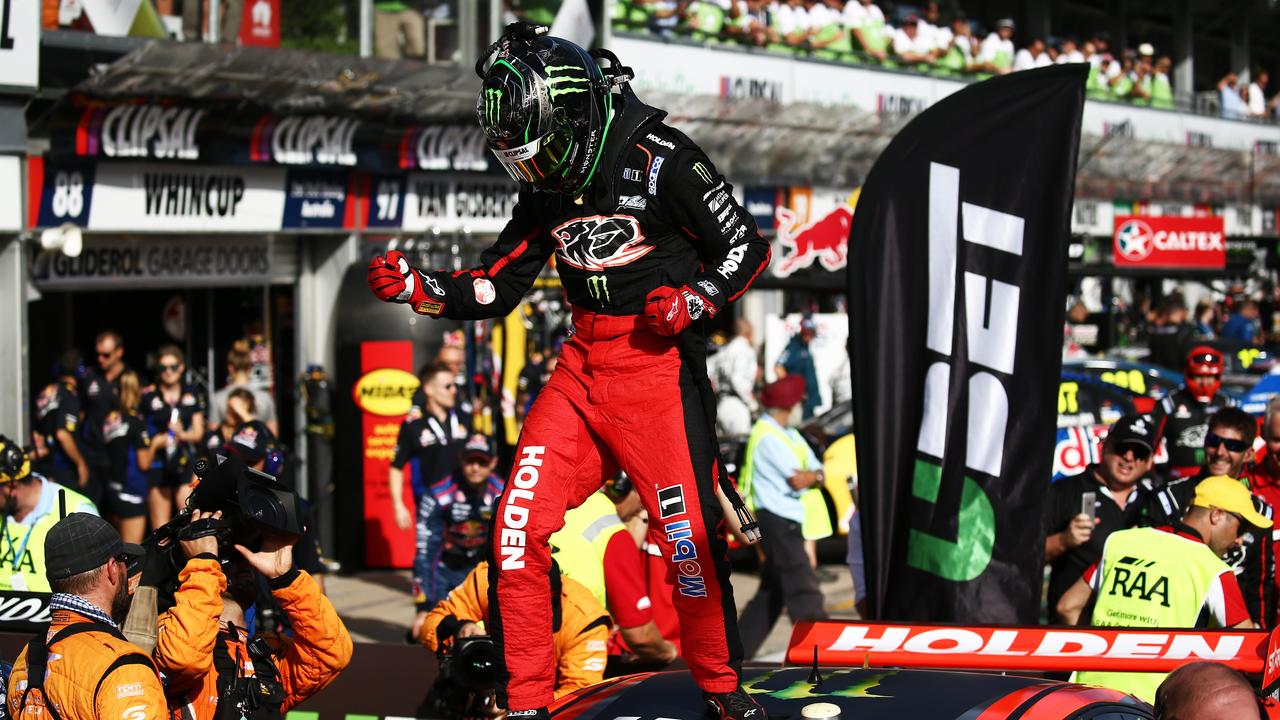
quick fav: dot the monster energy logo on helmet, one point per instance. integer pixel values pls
(598, 286)
(566, 79)
(492, 105)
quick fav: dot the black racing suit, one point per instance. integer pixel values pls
(657, 213)
(1184, 421)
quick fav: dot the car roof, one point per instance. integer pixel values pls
(861, 693)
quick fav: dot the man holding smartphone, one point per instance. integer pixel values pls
(1082, 510)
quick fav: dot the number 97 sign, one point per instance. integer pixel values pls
(65, 196)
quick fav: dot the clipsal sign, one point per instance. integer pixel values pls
(1024, 648)
(1190, 242)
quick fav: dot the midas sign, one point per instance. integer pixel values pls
(990, 647)
(1191, 242)
(387, 391)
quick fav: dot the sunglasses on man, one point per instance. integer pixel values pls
(1212, 441)
(1140, 452)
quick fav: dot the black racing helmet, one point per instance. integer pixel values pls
(545, 107)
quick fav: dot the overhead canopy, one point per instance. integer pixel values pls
(290, 81)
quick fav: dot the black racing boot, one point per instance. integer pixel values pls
(536, 714)
(736, 705)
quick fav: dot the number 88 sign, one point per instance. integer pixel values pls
(65, 196)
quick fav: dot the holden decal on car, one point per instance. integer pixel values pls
(600, 241)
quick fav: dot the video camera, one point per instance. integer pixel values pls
(467, 679)
(252, 504)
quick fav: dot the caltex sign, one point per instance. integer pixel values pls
(1170, 242)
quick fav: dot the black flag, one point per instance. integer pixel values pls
(958, 258)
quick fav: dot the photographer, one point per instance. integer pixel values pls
(580, 627)
(204, 650)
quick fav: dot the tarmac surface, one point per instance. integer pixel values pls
(376, 607)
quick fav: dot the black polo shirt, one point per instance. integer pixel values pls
(1063, 503)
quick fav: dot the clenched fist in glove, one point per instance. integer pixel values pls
(671, 311)
(392, 280)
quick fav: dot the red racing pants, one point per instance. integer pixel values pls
(620, 396)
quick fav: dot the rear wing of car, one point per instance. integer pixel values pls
(1031, 648)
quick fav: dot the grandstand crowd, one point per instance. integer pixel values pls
(924, 40)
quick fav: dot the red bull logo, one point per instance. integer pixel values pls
(825, 240)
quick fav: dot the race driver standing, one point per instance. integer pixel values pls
(1183, 414)
(648, 241)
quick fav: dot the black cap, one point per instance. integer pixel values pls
(478, 446)
(78, 543)
(251, 441)
(1140, 429)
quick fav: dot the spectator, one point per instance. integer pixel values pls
(779, 467)
(1134, 85)
(83, 647)
(130, 451)
(175, 415)
(1264, 476)
(240, 408)
(1161, 86)
(831, 37)
(1206, 691)
(790, 19)
(866, 20)
(1243, 324)
(751, 27)
(1180, 572)
(98, 397)
(430, 443)
(665, 15)
(958, 53)
(1069, 51)
(57, 422)
(579, 641)
(1171, 335)
(1204, 318)
(239, 363)
(1257, 95)
(207, 621)
(1227, 451)
(32, 505)
(595, 549)
(797, 360)
(1232, 104)
(910, 47)
(996, 54)
(453, 356)
(1076, 538)
(1031, 56)
(733, 373)
(454, 519)
(930, 27)
(710, 19)
(399, 30)
(1185, 413)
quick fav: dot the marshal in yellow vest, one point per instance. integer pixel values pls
(578, 547)
(1150, 578)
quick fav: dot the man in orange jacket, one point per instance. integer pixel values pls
(580, 638)
(89, 669)
(205, 653)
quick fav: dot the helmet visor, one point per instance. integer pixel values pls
(537, 161)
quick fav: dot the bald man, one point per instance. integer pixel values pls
(1206, 691)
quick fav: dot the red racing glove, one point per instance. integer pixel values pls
(671, 311)
(392, 280)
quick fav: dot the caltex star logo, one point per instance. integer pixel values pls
(1134, 240)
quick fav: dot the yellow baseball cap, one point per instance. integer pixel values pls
(14, 463)
(1227, 493)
